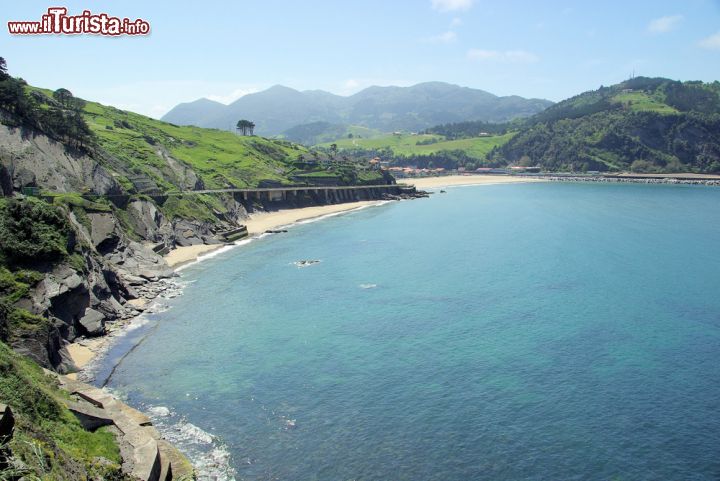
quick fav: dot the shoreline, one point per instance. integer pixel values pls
(85, 351)
(460, 180)
(260, 222)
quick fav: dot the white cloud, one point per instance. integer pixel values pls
(447, 37)
(712, 42)
(351, 84)
(232, 96)
(664, 24)
(456, 22)
(451, 5)
(506, 56)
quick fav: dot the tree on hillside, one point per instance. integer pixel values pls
(64, 96)
(333, 150)
(245, 127)
(3, 69)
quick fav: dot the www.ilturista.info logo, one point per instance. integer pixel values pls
(57, 21)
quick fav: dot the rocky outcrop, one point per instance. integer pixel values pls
(189, 233)
(145, 455)
(32, 159)
(148, 222)
(103, 231)
(82, 300)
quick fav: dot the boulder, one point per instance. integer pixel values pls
(102, 232)
(93, 322)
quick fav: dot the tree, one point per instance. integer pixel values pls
(245, 126)
(333, 150)
(3, 69)
(11, 95)
(64, 96)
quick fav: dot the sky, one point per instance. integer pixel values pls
(225, 49)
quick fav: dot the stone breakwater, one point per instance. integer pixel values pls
(146, 456)
(631, 180)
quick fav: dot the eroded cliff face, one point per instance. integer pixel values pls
(116, 259)
(32, 159)
(84, 297)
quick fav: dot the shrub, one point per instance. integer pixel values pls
(32, 231)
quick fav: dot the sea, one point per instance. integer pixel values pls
(539, 331)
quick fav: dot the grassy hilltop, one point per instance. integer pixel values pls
(138, 146)
(642, 125)
(424, 144)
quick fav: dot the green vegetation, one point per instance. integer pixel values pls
(423, 144)
(473, 128)
(220, 159)
(643, 102)
(324, 132)
(16, 322)
(48, 440)
(426, 150)
(33, 235)
(32, 231)
(57, 114)
(76, 200)
(192, 207)
(642, 125)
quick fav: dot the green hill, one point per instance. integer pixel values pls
(424, 144)
(325, 132)
(642, 125)
(142, 151)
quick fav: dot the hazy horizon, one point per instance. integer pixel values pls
(509, 48)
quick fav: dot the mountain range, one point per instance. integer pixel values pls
(386, 109)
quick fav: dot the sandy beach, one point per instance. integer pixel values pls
(185, 254)
(84, 351)
(259, 223)
(450, 180)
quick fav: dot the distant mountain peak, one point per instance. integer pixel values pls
(389, 108)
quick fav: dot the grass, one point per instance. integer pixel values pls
(426, 144)
(221, 159)
(48, 439)
(643, 102)
(76, 200)
(192, 207)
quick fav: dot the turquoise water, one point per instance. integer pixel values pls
(507, 332)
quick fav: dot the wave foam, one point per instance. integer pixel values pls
(208, 454)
